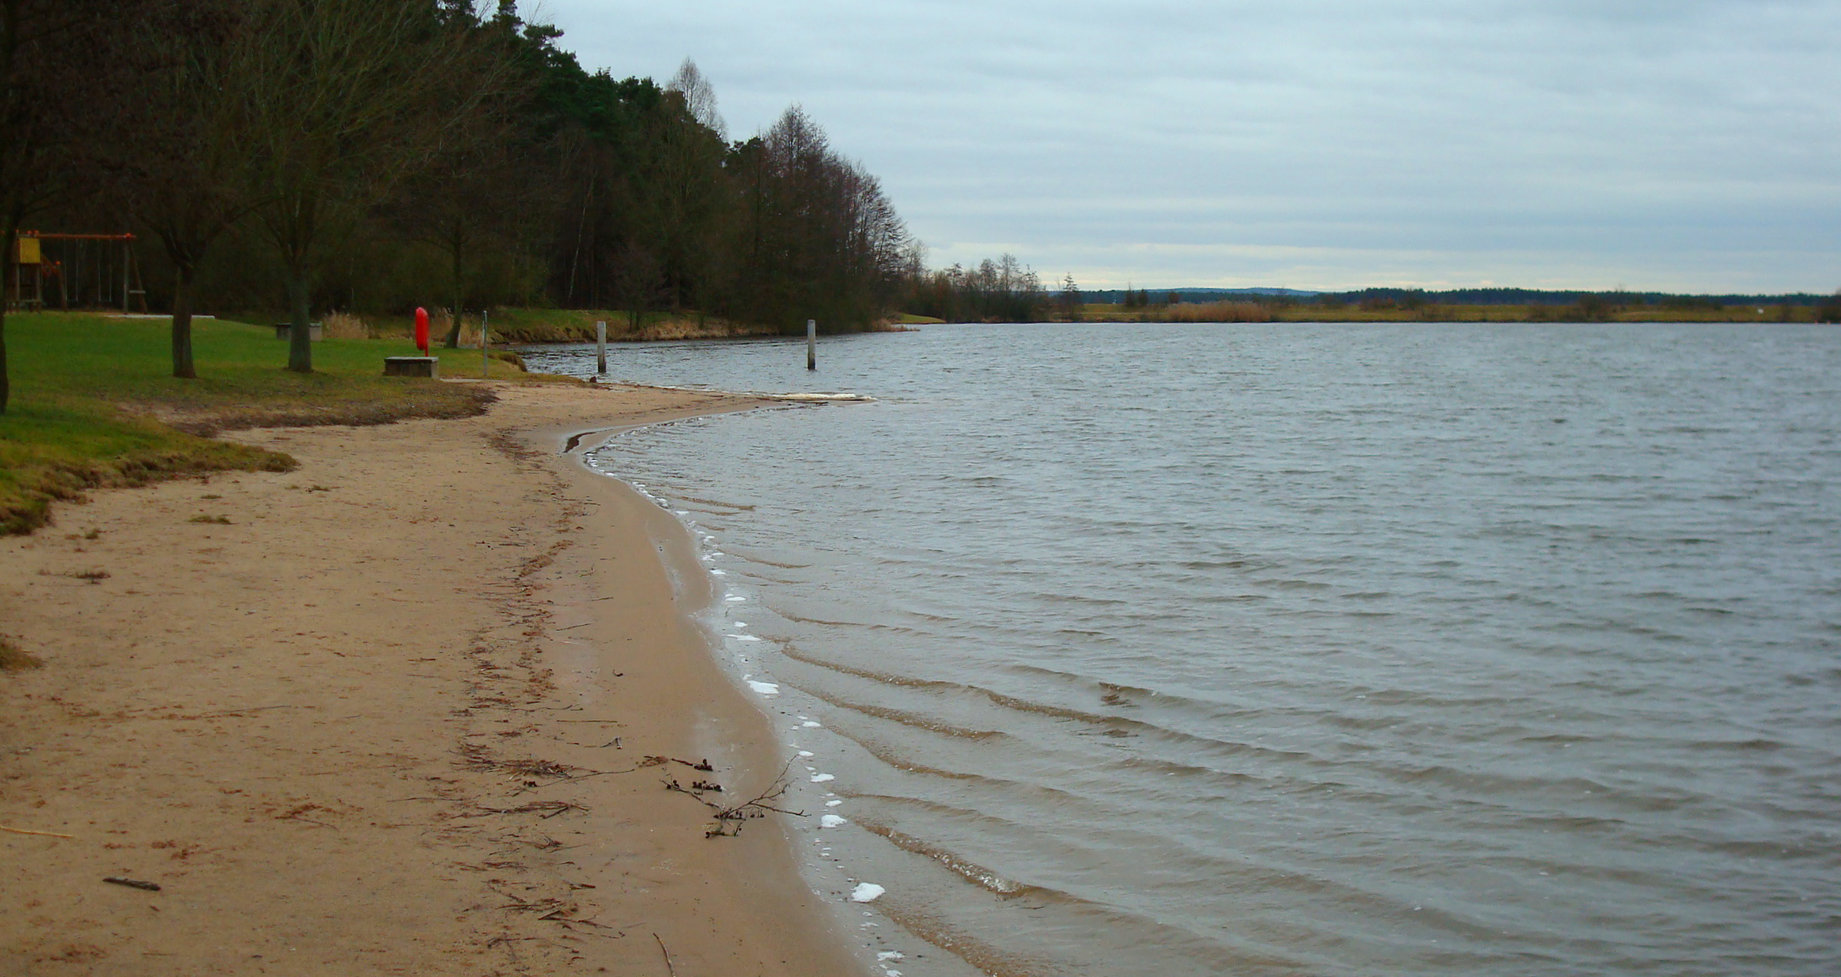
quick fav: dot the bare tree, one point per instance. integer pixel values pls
(347, 97)
(831, 244)
(183, 158)
(688, 182)
(699, 98)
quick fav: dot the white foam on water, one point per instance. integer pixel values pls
(832, 821)
(809, 724)
(806, 754)
(764, 688)
(833, 803)
(867, 892)
(888, 955)
(822, 778)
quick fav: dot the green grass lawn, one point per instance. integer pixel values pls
(94, 401)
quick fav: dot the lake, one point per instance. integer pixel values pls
(1400, 649)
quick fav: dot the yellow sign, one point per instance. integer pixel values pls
(28, 251)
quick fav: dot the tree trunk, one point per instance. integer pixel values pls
(300, 339)
(6, 386)
(455, 312)
(8, 241)
(182, 323)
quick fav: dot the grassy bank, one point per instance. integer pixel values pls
(94, 403)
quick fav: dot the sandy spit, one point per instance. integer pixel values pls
(410, 709)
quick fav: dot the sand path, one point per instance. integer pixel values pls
(390, 713)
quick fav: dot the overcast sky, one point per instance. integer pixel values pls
(1676, 145)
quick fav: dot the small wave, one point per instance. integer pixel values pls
(905, 765)
(1756, 744)
(816, 398)
(1282, 583)
(900, 681)
(763, 561)
(982, 956)
(910, 719)
(966, 869)
(727, 508)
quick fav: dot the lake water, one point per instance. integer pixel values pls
(1291, 649)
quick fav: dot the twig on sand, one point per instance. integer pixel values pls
(729, 818)
(659, 761)
(661, 948)
(531, 785)
(39, 834)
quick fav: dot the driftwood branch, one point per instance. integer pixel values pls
(36, 834)
(730, 817)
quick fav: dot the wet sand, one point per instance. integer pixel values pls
(411, 708)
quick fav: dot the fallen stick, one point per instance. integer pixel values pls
(661, 948)
(40, 834)
(133, 883)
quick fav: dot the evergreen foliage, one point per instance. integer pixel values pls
(443, 153)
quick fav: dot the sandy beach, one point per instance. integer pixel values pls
(410, 709)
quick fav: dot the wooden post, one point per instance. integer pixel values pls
(811, 344)
(485, 344)
(600, 348)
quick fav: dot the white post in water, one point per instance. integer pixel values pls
(600, 348)
(485, 344)
(811, 344)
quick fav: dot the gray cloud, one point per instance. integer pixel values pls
(1683, 145)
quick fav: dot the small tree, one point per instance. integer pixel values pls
(1069, 298)
(182, 160)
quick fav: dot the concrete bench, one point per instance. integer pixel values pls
(412, 366)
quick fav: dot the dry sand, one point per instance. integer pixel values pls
(398, 712)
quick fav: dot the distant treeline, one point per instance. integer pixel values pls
(1004, 290)
(1410, 297)
(1413, 297)
(998, 290)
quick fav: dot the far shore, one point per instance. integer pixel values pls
(410, 708)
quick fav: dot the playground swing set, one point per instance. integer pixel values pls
(80, 271)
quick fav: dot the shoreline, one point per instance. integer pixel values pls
(396, 711)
